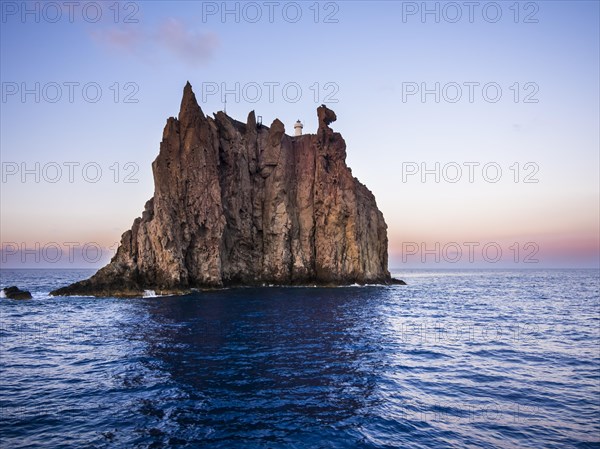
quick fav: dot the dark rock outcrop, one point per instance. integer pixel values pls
(241, 204)
(16, 293)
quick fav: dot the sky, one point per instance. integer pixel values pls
(475, 124)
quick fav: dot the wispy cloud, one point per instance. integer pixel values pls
(124, 39)
(172, 37)
(189, 45)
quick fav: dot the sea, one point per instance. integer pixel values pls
(456, 359)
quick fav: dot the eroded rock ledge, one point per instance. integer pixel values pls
(240, 204)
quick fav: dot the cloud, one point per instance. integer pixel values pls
(172, 37)
(188, 45)
(125, 39)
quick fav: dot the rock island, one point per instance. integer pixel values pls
(242, 204)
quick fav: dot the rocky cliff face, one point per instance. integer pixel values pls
(241, 204)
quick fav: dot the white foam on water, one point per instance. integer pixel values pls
(149, 294)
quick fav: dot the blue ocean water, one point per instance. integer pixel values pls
(454, 359)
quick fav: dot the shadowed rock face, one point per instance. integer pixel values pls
(237, 204)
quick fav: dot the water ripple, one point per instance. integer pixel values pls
(454, 359)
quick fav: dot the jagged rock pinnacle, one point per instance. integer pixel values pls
(237, 204)
(189, 110)
(326, 116)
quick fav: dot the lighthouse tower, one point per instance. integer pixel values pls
(298, 128)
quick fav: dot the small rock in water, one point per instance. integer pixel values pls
(15, 293)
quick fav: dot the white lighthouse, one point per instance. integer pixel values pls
(298, 128)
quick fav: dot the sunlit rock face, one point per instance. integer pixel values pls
(245, 204)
